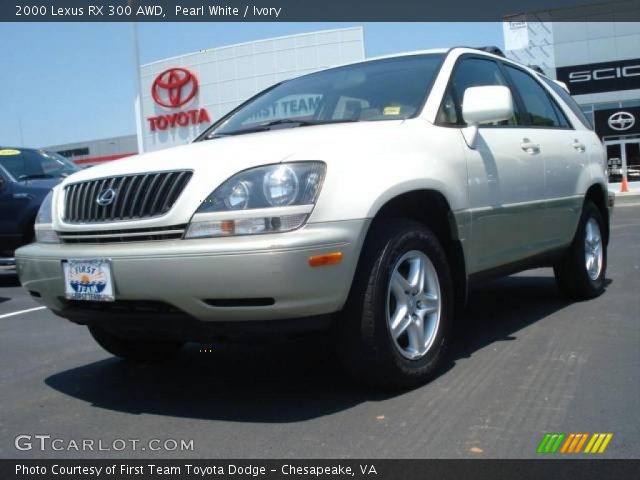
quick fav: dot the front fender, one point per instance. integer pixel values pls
(359, 183)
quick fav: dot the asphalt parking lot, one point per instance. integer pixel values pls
(526, 363)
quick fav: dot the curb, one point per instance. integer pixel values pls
(627, 199)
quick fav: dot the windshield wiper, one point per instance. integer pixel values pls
(34, 176)
(265, 126)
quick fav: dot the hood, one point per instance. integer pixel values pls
(214, 161)
(225, 156)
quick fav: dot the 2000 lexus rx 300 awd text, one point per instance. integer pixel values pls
(370, 210)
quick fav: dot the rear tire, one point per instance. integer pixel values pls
(396, 325)
(581, 272)
(133, 349)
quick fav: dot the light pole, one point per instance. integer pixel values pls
(137, 84)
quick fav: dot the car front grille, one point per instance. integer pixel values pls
(133, 197)
(173, 232)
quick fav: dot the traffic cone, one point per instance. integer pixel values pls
(624, 186)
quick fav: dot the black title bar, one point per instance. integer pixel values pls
(312, 10)
(582, 469)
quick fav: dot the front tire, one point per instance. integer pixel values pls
(396, 326)
(581, 273)
(133, 349)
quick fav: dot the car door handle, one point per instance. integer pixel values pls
(530, 147)
(579, 146)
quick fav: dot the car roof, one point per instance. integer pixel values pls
(3, 147)
(479, 51)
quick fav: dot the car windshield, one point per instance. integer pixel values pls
(29, 164)
(387, 89)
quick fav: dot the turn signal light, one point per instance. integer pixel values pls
(326, 259)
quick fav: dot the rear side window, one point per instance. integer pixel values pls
(569, 101)
(541, 110)
(470, 72)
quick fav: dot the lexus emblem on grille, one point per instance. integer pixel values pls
(106, 197)
(621, 121)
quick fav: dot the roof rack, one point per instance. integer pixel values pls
(491, 49)
(537, 68)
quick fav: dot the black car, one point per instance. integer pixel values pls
(26, 177)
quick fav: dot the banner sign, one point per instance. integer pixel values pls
(601, 77)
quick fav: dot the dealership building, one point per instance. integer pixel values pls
(597, 55)
(594, 52)
(182, 95)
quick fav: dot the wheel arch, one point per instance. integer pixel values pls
(431, 208)
(597, 193)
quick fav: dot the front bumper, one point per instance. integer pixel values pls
(7, 262)
(216, 279)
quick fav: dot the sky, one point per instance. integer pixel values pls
(72, 82)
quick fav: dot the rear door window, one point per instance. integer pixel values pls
(541, 110)
(569, 101)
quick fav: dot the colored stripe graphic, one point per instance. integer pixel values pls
(550, 442)
(598, 443)
(573, 443)
(581, 443)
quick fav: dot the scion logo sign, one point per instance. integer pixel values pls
(616, 121)
(621, 121)
(174, 88)
(601, 77)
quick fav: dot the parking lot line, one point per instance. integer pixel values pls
(19, 312)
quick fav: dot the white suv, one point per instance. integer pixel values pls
(365, 198)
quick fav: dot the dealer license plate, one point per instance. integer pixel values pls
(88, 280)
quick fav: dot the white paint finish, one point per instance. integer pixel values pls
(502, 178)
(492, 103)
(500, 185)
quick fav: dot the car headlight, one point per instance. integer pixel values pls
(272, 198)
(43, 226)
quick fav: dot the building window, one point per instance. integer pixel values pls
(75, 152)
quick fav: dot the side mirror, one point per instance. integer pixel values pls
(491, 103)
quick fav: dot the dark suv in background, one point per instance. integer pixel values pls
(26, 176)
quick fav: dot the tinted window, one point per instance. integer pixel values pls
(389, 89)
(26, 164)
(540, 108)
(470, 72)
(569, 101)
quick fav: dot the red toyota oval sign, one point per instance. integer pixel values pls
(174, 87)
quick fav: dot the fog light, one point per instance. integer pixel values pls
(46, 235)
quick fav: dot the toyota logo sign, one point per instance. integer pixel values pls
(174, 87)
(621, 121)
